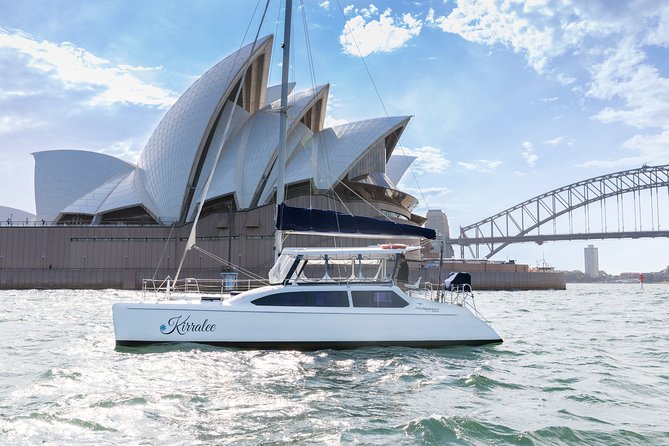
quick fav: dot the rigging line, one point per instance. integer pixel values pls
(276, 43)
(167, 243)
(312, 74)
(307, 41)
(413, 174)
(313, 86)
(238, 268)
(192, 238)
(355, 42)
(248, 27)
(363, 199)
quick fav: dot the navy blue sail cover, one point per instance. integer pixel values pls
(317, 220)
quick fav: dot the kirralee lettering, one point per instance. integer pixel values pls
(182, 326)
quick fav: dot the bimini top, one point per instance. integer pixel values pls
(287, 263)
(370, 252)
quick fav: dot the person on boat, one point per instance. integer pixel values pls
(402, 272)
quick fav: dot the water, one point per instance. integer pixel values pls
(589, 365)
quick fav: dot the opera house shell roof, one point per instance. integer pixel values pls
(167, 181)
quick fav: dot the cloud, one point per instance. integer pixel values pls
(644, 92)
(612, 164)
(555, 141)
(325, 4)
(368, 32)
(533, 28)
(625, 76)
(607, 41)
(127, 149)
(102, 82)
(480, 165)
(15, 124)
(528, 154)
(428, 159)
(433, 197)
(331, 121)
(652, 149)
(565, 79)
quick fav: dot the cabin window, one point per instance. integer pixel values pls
(305, 299)
(384, 298)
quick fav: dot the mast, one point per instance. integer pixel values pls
(283, 118)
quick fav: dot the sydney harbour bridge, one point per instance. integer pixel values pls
(629, 204)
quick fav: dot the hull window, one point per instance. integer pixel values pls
(305, 299)
(384, 298)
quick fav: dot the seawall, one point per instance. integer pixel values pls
(102, 278)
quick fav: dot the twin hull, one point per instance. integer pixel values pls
(421, 324)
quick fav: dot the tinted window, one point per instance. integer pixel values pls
(385, 298)
(305, 299)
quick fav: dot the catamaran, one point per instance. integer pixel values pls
(367, 308)
(306, 304)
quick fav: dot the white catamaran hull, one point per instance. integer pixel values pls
(421, 324)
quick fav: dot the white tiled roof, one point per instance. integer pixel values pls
(397, 166)
(171, 154)
(339, 148)
(90, 183)
(64, 176)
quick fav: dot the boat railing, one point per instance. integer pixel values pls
(330, 280)
(462, 295)
(221, 288)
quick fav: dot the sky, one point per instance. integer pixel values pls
(509, 99)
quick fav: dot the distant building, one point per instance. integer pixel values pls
(591, 261)
(438, 221)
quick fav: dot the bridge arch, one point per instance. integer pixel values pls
(524, 221)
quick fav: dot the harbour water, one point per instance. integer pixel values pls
(589, 365)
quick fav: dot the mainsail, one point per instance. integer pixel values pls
(322, 221)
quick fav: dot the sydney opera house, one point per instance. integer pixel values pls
(105, 222)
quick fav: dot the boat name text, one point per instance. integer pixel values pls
(176, 324)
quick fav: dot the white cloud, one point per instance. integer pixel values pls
(606, 39)
(652, 149)
(612, 164)
(127, 149)
(331, 121)
(433, 197)
(527, 28)
(480, 165)
(325, 4)
(659, 35)
(428, 159)
(565, 79)
(77, 69)
(644, 92)
(368, 32)
(528, 154)
(555, 141)
(12, 124)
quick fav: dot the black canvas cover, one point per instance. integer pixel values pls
(455, 279)
(317, 220)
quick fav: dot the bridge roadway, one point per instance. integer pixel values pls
(540, 238)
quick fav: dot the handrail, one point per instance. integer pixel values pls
(197, 287)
